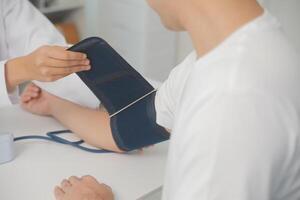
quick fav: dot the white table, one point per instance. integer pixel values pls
(40, 165)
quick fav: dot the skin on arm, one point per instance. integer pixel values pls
(47, 63)
(91, 125)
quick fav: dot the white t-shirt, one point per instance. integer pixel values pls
(235, 119)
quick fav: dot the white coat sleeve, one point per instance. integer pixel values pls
(36, 30)
(25, 30)
(4, 96)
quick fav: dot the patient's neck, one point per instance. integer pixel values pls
(210, 22)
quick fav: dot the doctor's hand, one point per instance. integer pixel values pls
(83, 188)
(36, 100)
(47, 63)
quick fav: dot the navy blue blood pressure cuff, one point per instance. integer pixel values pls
(126, 95)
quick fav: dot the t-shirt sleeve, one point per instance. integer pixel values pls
(4, 96)
(168, 95)
(237, 148)
(165, 104)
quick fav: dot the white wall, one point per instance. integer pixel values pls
(184, 46)
(136, 32)
(287, 11)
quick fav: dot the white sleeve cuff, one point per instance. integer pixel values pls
(162, 115)
(6, 99)
(14, 96)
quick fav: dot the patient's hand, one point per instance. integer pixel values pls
(36, 100)
(85, 188)
(91, 125)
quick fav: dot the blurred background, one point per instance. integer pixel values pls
(135, 31)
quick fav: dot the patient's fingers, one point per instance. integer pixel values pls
(31, 91)
(59, 193)
(33, 88)
(65, 185)
(32, 94)
(74, 180)
(88, 178)
(27, 96)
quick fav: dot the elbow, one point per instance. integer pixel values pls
(114, 148)
(107, 147)
(107, 144)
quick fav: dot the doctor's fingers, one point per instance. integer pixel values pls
(52, 62)
(61, 53)
(54, 73)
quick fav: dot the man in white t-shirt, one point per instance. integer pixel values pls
(232, 107)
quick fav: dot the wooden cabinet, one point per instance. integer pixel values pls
(66, 15)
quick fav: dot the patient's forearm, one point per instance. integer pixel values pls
(91, 125)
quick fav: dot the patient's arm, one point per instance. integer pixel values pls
(91, 125)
